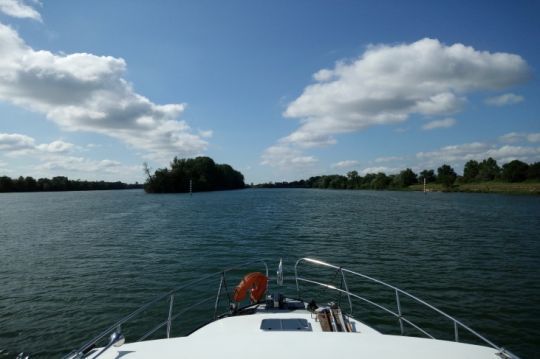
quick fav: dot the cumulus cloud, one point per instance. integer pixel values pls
(56, 158)
(458, 154)
(514, 137)
(383, 169)
(345, 164)
(85, 92)
(284, 156)
(18, 8)
(55, 147)
(445, 123)
(387, 84)
(13, 144)
(504, 100)
(82, 164)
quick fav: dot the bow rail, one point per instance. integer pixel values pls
(503, 353)
(114, 331)
(116, 337)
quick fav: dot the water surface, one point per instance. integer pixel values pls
(72, 263)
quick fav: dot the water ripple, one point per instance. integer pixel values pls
(72, 263)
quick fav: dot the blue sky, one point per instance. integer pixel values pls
(280, 90)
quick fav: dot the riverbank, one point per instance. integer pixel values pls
(484, 187)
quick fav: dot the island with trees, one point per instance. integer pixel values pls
(201, 174)
(478, 176)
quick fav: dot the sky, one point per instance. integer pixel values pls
(280, 90)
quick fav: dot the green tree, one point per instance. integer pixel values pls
(488, 170)
(31, 184)
(446, 175)
(59, 183)
(338, 182)
(353, 180)
(534, 171)
(515, 171)
(381, 181)
(20, 184)
(406, 178)
(470, 171)
(429, 175)
(6, 184)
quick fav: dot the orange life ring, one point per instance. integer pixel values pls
(256, 282)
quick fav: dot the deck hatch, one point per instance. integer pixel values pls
(292, 324)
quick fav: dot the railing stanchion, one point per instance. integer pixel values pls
(347, 290)
(296, 278)
(218, 294)
(169, 321)
(456, 331)
(399, 312)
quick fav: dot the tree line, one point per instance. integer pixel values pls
(473, 171)
(58, 183)
(202, 172)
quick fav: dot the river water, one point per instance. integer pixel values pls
(72, 263)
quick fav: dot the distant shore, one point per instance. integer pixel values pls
(59, 184)
(517, 188)
(532, 188)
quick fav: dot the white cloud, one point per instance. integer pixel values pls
(93, 145)
(345, 164)
(387, 84)
(85, 92)
(383, 169)
(82, 164)
(18, 8)
(55, 159)
(15, 144)
(388, 159)
(533, 137)
(284, 156)
(459, 154)
(452, 153)
(4, 169)
(206, 134)
(507, 153)
(513, 137)
(56, 147)
(504, 100)
(445, 123)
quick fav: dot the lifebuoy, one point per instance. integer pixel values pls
(256, 282)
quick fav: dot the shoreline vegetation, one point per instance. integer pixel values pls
(202, 174)
(515, 177)
(58, 184)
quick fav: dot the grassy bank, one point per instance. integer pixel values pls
(485, 187)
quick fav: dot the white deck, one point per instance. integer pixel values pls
(241, 337)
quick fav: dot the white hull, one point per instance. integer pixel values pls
(241, 337)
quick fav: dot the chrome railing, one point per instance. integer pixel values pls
(115, 331)
(503, 353)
